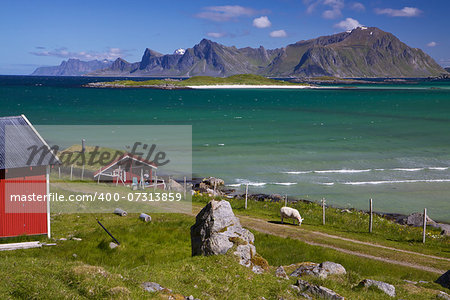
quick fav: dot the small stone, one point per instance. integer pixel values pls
(190, 297)
(318, 291)
(195, 286)
(63, 239)
(443, 295)
(257, 270)
(281, 273)
(74, 255)
(409, 281)
(387, 288)
(333, 268)
(295, 288)
(76, 239)
(306, 296)
(113, 245)
(153, 287)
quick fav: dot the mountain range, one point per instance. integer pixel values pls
(73, 67)
(361, 52)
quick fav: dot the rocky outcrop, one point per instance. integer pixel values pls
(387, 288)
(317, 290)
(217, 230)
(444, 280)
(319, 270)
(211, 185)
(416, 220)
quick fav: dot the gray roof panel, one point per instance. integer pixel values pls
(21, 145)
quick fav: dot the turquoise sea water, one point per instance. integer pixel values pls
(387, 142)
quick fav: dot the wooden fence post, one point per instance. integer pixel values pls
(424, 224)
(185, 187)
(59, 172)
(371, 215)
(323, 211)
(71, 171)
(82, 172)
(246, 195)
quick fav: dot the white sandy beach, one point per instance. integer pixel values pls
(245, 86)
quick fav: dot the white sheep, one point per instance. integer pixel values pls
(290, 213)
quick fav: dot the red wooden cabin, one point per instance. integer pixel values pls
(24, 179)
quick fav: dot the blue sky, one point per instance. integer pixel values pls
(38, 33)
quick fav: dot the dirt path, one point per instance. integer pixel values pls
(299, 234)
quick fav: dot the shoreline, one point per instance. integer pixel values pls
(248, 86)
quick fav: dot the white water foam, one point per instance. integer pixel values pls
(408, 169)
(343, 171)
(394, 181)
(349, 171)
(297, 172)
(438, 168)
(285, 183)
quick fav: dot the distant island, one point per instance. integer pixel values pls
(364, 52)
(204, 82)
(73, 67)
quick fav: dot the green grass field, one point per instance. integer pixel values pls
(160, 252)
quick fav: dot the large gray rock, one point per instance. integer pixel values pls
(387, 288)
(217, 230)
(444, 280)
(318, 291)
(416, 220)
(322, 271)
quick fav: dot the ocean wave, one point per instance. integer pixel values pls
(257, 184)
(408, 169)
(343, 171)
(350, 171)
(438, 168)
(327, 183)
(394, 181)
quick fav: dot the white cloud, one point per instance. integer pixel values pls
(404, 12)
(224, 13)
(333, 10)
(262, 22)
(216, 34)
(432, 44)
(348, 24)
(278, 33)
(357, 6)
(111, 54)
